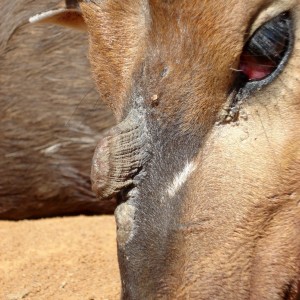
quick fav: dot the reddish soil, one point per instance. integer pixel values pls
(59, 259)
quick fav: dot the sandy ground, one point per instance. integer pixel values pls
(60, 258)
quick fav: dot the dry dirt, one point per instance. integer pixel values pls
(60, 259)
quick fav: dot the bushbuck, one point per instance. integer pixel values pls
(49, 117)
(205, 158)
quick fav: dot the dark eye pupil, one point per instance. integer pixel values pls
(266, 48)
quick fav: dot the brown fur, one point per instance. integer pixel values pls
(46, 99)
(121, 47)
(231, 231)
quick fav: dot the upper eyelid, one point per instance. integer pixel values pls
(265, 14)
(249, 34)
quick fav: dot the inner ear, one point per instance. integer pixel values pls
(68, 16)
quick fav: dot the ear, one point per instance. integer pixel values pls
(68, 17)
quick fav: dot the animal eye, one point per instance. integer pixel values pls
(265, 54)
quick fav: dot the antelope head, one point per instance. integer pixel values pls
(205, 160)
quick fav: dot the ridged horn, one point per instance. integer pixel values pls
(119, 156)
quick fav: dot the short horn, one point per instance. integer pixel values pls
(119, 156)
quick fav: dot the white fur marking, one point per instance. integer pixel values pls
(180, 179)
(45, 15)
(51, 13)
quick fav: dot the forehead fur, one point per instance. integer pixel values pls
(117, 35)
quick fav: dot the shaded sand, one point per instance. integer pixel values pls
(60, 258)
